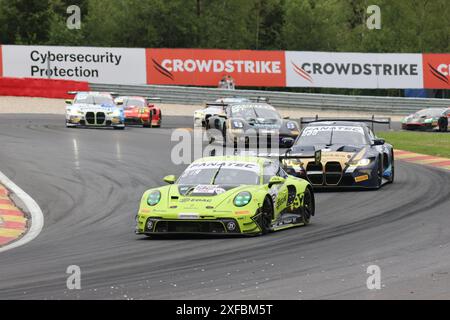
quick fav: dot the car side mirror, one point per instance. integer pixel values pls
(276, 180)
(69, 102)
(379, 142)
(170, 179)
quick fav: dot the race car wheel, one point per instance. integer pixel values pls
(224, 135)
(443, 124)
(308, 206)
(160, 120)
(391, 180)
(265, 218)
(379, 173)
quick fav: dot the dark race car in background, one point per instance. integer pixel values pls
(352, 156)
(141, 111)
(252, 121)
(432, 119)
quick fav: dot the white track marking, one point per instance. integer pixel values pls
(37, 218)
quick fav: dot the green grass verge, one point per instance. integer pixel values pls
(431, 143)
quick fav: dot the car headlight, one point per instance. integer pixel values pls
(429, 120)
(361, 163)
(291, 125)
(238, 124)
(242, 199)
(153, 198)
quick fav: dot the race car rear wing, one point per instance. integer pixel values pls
(260, 99)
(308, 154)
(153, 99)
(373, 120)
(113, 94)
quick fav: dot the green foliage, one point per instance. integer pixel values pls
(318, 25)
(326, 25)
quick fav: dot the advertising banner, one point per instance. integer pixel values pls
(207, 67)
(353, 70)
(1, 61)
(94, 65)
(436, 71)
(198, 67)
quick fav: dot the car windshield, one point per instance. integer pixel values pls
(328, 135)
(96, 99)
(128, 103)
(225, 173)
(254, 112)
(430, 112)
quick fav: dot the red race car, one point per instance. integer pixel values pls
(141, 111)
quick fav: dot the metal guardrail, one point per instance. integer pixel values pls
(196, 95)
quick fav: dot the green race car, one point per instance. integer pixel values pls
(227, 195)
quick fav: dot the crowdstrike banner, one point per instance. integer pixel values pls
(95, 65)
(353, 70)
(248, 68)
(200, 67)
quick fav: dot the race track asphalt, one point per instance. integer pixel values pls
(89, 183)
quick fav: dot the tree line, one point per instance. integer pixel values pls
(317, 25)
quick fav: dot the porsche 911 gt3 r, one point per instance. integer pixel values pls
(227, 195)
(94, 109)
(201, 116)
(352, 156)
(244, 122)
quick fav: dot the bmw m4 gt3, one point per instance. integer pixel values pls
(94, 109)
(352, 156)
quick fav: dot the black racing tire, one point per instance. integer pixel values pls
(266, 216)
(119, 128)
(391, 180)
(443, 124)
(379, 174)
(224, 135)
(309, 206)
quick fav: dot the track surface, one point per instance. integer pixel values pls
(89, 182)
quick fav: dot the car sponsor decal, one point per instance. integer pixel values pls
(362, 178)
(314, 130)
(208, 189)
(188, 216)
(197, 166)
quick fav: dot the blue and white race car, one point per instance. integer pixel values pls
(94, 109)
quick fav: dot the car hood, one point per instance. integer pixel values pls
(261, 123)
(337, 152)
(95, 107)
(201, 196)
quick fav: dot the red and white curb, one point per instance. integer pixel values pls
(437, 162)
(16, 229)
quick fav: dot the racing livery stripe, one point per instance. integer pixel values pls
(5, 240)
(13, 222)
(437, 162)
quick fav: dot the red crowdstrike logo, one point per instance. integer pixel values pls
(1, 61)
(436, 71)
(206, 67)
(302, 72)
